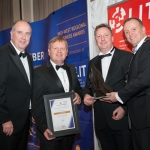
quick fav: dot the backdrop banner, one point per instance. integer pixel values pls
(71, 23)
(126, 9)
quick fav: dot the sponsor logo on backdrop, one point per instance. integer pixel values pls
(118, 15)
(120, 12)
(127, 9)
(81, 70)
(81, 73)
(38, 56)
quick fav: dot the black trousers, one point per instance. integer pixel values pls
(16, 142)
(115, 139)
(65, 143)
(141, 138)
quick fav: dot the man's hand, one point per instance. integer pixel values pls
(8, 128)
(77, 99)
(88, 100)
(47, 133)
(118, 113)
(111, 98)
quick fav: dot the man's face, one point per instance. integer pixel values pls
(20, 35)
(58, 52)
(134, 32)
(104, 39)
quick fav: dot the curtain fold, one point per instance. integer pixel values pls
(42, 8)
(6, 14)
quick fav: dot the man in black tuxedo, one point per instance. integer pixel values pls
(54, 77)
(15, 88)
(111, 120)
(137, 91)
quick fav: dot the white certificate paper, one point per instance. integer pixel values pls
(62, 114)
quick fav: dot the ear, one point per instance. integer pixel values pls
(144, 30)
(67, 53)
(49, 52)
(112, 38)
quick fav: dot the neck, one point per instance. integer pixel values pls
(57, 63)
(105, 51)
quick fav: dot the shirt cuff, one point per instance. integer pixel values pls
(118, 98)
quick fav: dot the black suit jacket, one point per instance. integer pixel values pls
(46, 81)
(137, 90)
(15, 89)
(116, 80)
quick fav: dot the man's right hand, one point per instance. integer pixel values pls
(46, 134)
(8, 128)
(88, 100)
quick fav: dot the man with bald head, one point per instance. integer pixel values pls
(15, 88)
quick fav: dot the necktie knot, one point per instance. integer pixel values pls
(62, 66)
(23, 55)
(102, 56)
(109, 54)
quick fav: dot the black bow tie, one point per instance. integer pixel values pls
(109, 54)
(102, 56)
(62, 66)
(23, 55)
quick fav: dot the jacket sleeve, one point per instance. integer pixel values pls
(38, 103)
(140, 81)
(4, 67)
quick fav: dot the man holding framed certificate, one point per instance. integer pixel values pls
(53, 98)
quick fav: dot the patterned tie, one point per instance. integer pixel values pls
(134, 49)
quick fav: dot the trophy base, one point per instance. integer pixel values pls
(99, 97)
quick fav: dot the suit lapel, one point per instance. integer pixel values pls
(140, 49)
(135, 57)
(113, 66)
(18, 62)
(54, 76)
(69, 76)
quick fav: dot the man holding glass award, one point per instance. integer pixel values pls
(107, 73)
(55, 78)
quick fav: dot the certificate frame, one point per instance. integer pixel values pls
(50, 117)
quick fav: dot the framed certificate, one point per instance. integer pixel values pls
(61, 114)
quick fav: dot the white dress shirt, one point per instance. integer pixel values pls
(62, 74)
(26, 66)
(105, 63)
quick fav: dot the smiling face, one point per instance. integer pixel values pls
(58, 52)
(104, 39)
(20, 35)
(134, 32)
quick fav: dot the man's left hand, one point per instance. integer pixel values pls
(118, 113)
(77, 99)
